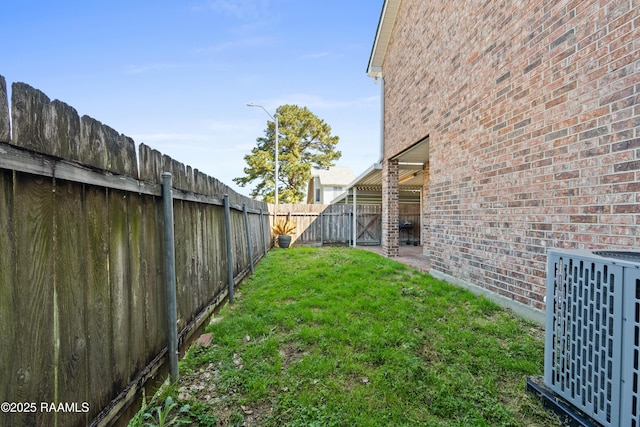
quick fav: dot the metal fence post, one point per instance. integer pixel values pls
(321, 229)
(246, 227)
(264, 237)
(170, 275)
(227, 220)
(354, 229)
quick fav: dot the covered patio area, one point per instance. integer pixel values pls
(402, 180)
(407, 254)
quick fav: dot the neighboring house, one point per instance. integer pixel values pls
(327, 184)
(522, 119)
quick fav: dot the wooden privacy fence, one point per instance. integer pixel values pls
(333, 224)
(82, 277)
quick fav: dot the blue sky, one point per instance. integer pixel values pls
(177, 75)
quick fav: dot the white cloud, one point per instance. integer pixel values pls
(242, 43)
(145, 68)
(316, 55)
(169, 137)
(241, 16)
(245, 10)
(227, 125)
(314, 102)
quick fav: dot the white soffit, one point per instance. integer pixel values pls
(383, 36)
(416, 154)
(370, 178)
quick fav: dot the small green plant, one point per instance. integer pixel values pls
(201, 415)
(164, 415)
(284, 228)
(138, 418)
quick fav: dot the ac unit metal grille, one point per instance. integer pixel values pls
(584, 334)
(627, 255)
(631, 349)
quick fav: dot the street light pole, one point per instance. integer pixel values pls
(277, 165)
(275, 119)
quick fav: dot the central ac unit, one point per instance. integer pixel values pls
(592, 341)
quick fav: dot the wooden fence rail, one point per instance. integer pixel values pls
(82, 297)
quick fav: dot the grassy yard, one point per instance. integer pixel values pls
(345, 337)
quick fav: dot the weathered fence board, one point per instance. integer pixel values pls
(183, 261)
(69, 305)
(65, 134)
(137, 327)
(8, 291)
(4, 112)
(150, 162)
(31, 119)
(151, 275)
(33, 344)
(216, 263)
(98, 294)
(241, 244)
(118, 274)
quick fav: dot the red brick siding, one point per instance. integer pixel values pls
(390, 208)
(533, 113)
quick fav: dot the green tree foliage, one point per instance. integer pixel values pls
(304, 141)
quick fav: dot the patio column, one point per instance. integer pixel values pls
(390, 208)
(425, 212)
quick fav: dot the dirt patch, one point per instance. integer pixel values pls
(203, 386)
(290, 354)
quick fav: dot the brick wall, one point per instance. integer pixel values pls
(533, 113)
(390, 208)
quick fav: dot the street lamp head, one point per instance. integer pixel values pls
(251, 104)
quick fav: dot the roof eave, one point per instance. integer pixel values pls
(383, 36)
(375, 72)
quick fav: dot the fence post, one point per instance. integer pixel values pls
(321, 229)
(349, 225)
(170, 276)
(227, 220)
(354, 230)
(246, 227)
(264, 237)
(346, 227)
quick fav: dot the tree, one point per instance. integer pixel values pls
(304, 141)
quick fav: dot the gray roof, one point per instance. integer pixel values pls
(337, 176)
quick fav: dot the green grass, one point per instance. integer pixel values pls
(344, 337)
